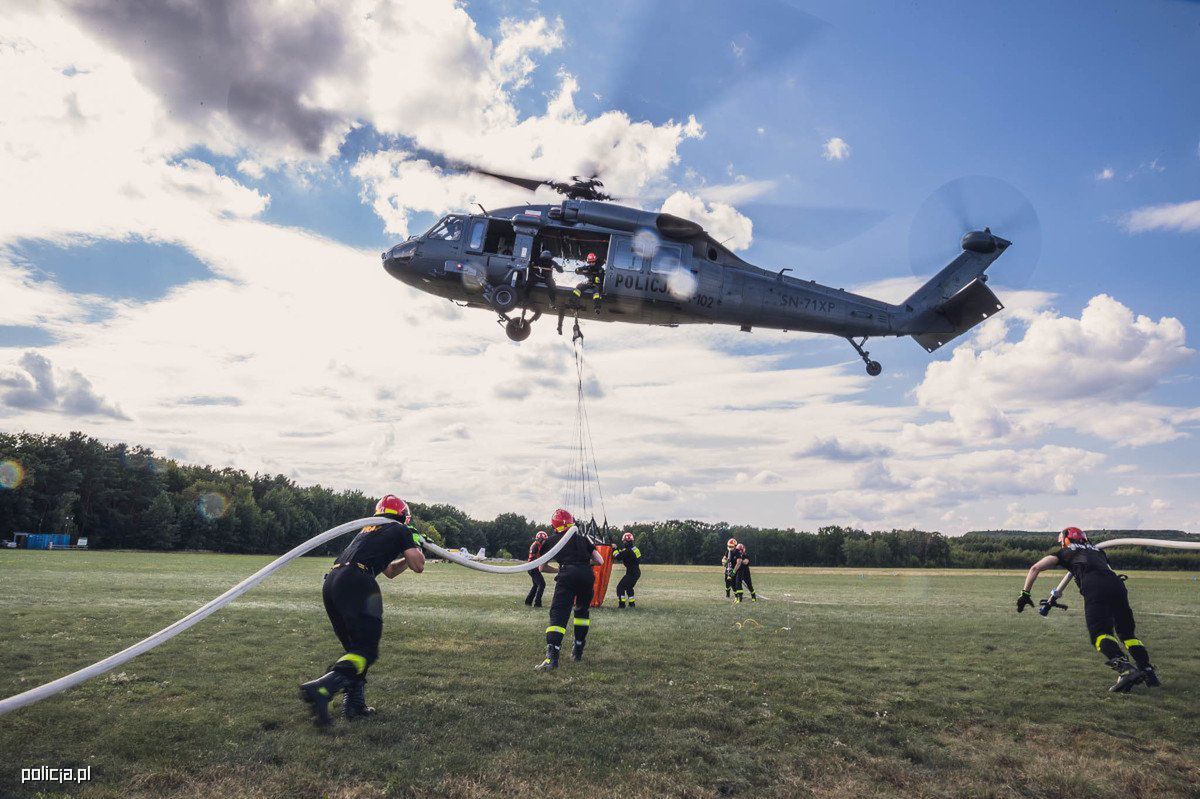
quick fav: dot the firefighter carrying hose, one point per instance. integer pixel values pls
(355, 606)
(573, 589)
(1105, 607)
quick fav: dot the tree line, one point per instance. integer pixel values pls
(125, 497)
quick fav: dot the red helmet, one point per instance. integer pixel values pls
(541, 536)
(628, 538)
(1073, 535)
(591, 258)
(741, 547)
(392, 505)
(561, 521)
(731, 543)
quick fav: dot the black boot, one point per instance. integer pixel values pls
(318, 693)
(537, 603)
(577, 651)
(620, 604)
(1151, 676)
(551, 661)
(529, 600)
(354, 702)
(1127, 675)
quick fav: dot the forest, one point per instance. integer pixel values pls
(120, 496)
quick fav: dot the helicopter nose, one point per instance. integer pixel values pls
(397, 261)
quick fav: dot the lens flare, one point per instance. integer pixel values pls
(681, 283)
(11, 474)
(645, 243)
(212, 506)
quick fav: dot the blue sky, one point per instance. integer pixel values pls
(191, 213)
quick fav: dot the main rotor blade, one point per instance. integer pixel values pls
(526, 183)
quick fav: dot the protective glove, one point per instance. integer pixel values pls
(1024, 601)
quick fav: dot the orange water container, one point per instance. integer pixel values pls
(602, 573)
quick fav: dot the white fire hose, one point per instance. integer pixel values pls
(167, 633)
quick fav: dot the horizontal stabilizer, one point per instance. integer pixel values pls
(958, 314)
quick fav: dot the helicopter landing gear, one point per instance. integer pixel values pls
(874, 368)
(503, 298)
(519, 328)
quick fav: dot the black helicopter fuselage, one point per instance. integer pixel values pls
(660, 269)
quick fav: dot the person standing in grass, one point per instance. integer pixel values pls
(355, 606)
(729, 561)
(1105, 607)
(573, 589)
(629, 555)
(534, 597)
(741, 574)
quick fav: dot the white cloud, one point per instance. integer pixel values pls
(1182, 217)
(1129, 491)
(658, 492)
(835, 149)
(1087, 374)
(35, 385)
(1105, 174)
(835, 449)
(722, 221)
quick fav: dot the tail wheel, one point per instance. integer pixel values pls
(518, 329)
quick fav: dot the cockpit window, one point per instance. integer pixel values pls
(448, 229)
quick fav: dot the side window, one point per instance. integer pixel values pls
(478, 232)
(620, 256)
(449, 229)
(668, 259)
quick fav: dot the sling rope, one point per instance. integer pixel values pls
(1127, 542)
(578, 494)
(167, 633)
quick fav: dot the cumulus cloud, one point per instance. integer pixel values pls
(1181, 217)
(37, 386)
(722, 221)
(1105, 174)
(1087, 374)
(766, 477)
(835, 149)
(658, 492)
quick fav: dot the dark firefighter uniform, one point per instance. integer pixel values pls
(573, 588)
(593, 283)
(741, 575)
(539, 582)
(355, 609)
(729, 562)
(542, 271)
(1105, 603)
(629, 555)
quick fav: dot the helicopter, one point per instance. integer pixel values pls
(660, 269)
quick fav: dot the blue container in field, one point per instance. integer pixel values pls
(47, 540)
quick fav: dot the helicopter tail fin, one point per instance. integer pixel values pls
(954, 300)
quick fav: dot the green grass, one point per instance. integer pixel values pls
(845, 683)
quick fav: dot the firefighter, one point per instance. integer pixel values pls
(573, 588)
(355, 606)
(629, 555)
(534, 597)
(543, 272)
(741, 573)
(1105, 607)
(729, 561)
(593, 272)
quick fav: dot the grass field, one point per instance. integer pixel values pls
(844, 683)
